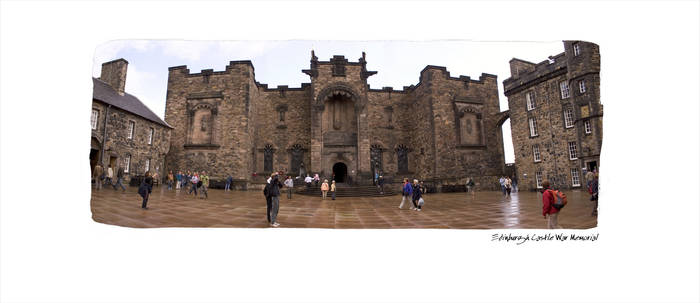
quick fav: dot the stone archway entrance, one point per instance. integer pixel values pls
(340, 171)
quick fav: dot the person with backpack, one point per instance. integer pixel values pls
(407, 193)
(549, 199)
(274, 193)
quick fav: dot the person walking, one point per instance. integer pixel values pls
(229, 180)
(98, 175)
(380, 183)
(145, 189)
(407, 193)
(289, 184)
(550, 213)
(324, 189)
(110, 175)
(204, 178)
(194, 181)
(178, 180)
(333, 190)
(417, 195)
(594, 194)
(502, 181)
(171, 179)
(508, 184)
(120, 176)
(470, 186)
(275, 185)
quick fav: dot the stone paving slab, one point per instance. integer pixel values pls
(246, 209)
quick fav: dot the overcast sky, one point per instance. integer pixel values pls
(398, 63)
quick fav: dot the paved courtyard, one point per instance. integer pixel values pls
(489, 210)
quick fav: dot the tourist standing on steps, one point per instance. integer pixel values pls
(98, 174)
(229, 180)
(204, 178)
(548, 210)
(324, 189)
(407, 193)
(120, 175)
(417, 194)
(308, 181)
(145, 189)
(289, 184)
(508, 184)
(110, 175)
(316, 180)
(333, 190)
(275, 185)
(380, 183)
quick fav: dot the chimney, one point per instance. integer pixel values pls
(114, 74)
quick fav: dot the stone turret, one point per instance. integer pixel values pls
(114, 74)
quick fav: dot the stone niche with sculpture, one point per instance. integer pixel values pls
(202, 112)
(469, 122)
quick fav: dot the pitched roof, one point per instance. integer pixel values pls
(102, 91)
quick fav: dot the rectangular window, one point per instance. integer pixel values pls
(582, 86)
(533, 127)
(148, 164)
(536, 153)
(93, 118)
(568, 117)
(127, 162)
(575, 181)
(538, 179)
(572, 151)
(130, 135)
(530, 98)
(564, 88)
(150, 136)
(587, 126)
(577, 49)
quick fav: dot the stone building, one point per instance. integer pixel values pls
(556, 116)
(124, 131)
(440, 130)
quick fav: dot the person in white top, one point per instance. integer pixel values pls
(110, 174)
(308, 180)
(289, 184)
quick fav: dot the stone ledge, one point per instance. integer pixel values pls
(201, 146)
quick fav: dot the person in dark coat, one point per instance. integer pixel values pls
(417, 194)
(145, 189)
(268, 198)
(274, 191)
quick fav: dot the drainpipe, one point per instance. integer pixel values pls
(104, 136)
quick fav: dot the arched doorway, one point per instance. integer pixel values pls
(340, 171)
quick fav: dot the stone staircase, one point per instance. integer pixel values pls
(350, 191)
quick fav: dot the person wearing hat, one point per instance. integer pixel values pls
(324, 188)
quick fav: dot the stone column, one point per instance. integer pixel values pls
(316, 139)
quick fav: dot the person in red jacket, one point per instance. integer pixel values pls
(548, 211)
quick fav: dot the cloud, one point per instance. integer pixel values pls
(147, 87)
(110, 51)
(188, 50)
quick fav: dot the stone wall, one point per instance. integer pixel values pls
(552, 140)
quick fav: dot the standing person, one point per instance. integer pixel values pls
(594, 194)
(407, 193)
(376, 178)
(120, 175)
(502, 181)
(178, 180)
(275, 185)
(515, 183)
(316, 180)
(145, 189)
(308, 181)
(110, 175)
(268, 198)
(333, 190)
(171, 179)
(417, 194)
(98, 174)
(590, 175)
(470, 186)
(194, 181)
(187, 179)
(229, 180)
(204, 178)
(289, 184)
(508, 184)
(380, 183)
(548, 210)
(324, 189)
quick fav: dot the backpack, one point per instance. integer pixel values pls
(559, 199)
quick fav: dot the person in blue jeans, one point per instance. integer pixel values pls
(229, 180)
(120, 176)
(407, 193)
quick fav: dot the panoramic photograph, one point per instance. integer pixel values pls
(346, 135)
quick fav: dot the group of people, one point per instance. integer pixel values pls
(413, 192)
(325, 188)
(196, 181)
(507, 185)
(103, 177)
(549, 196)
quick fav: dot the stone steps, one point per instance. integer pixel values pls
(350, 191)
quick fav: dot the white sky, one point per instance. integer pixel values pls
(398, 63)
